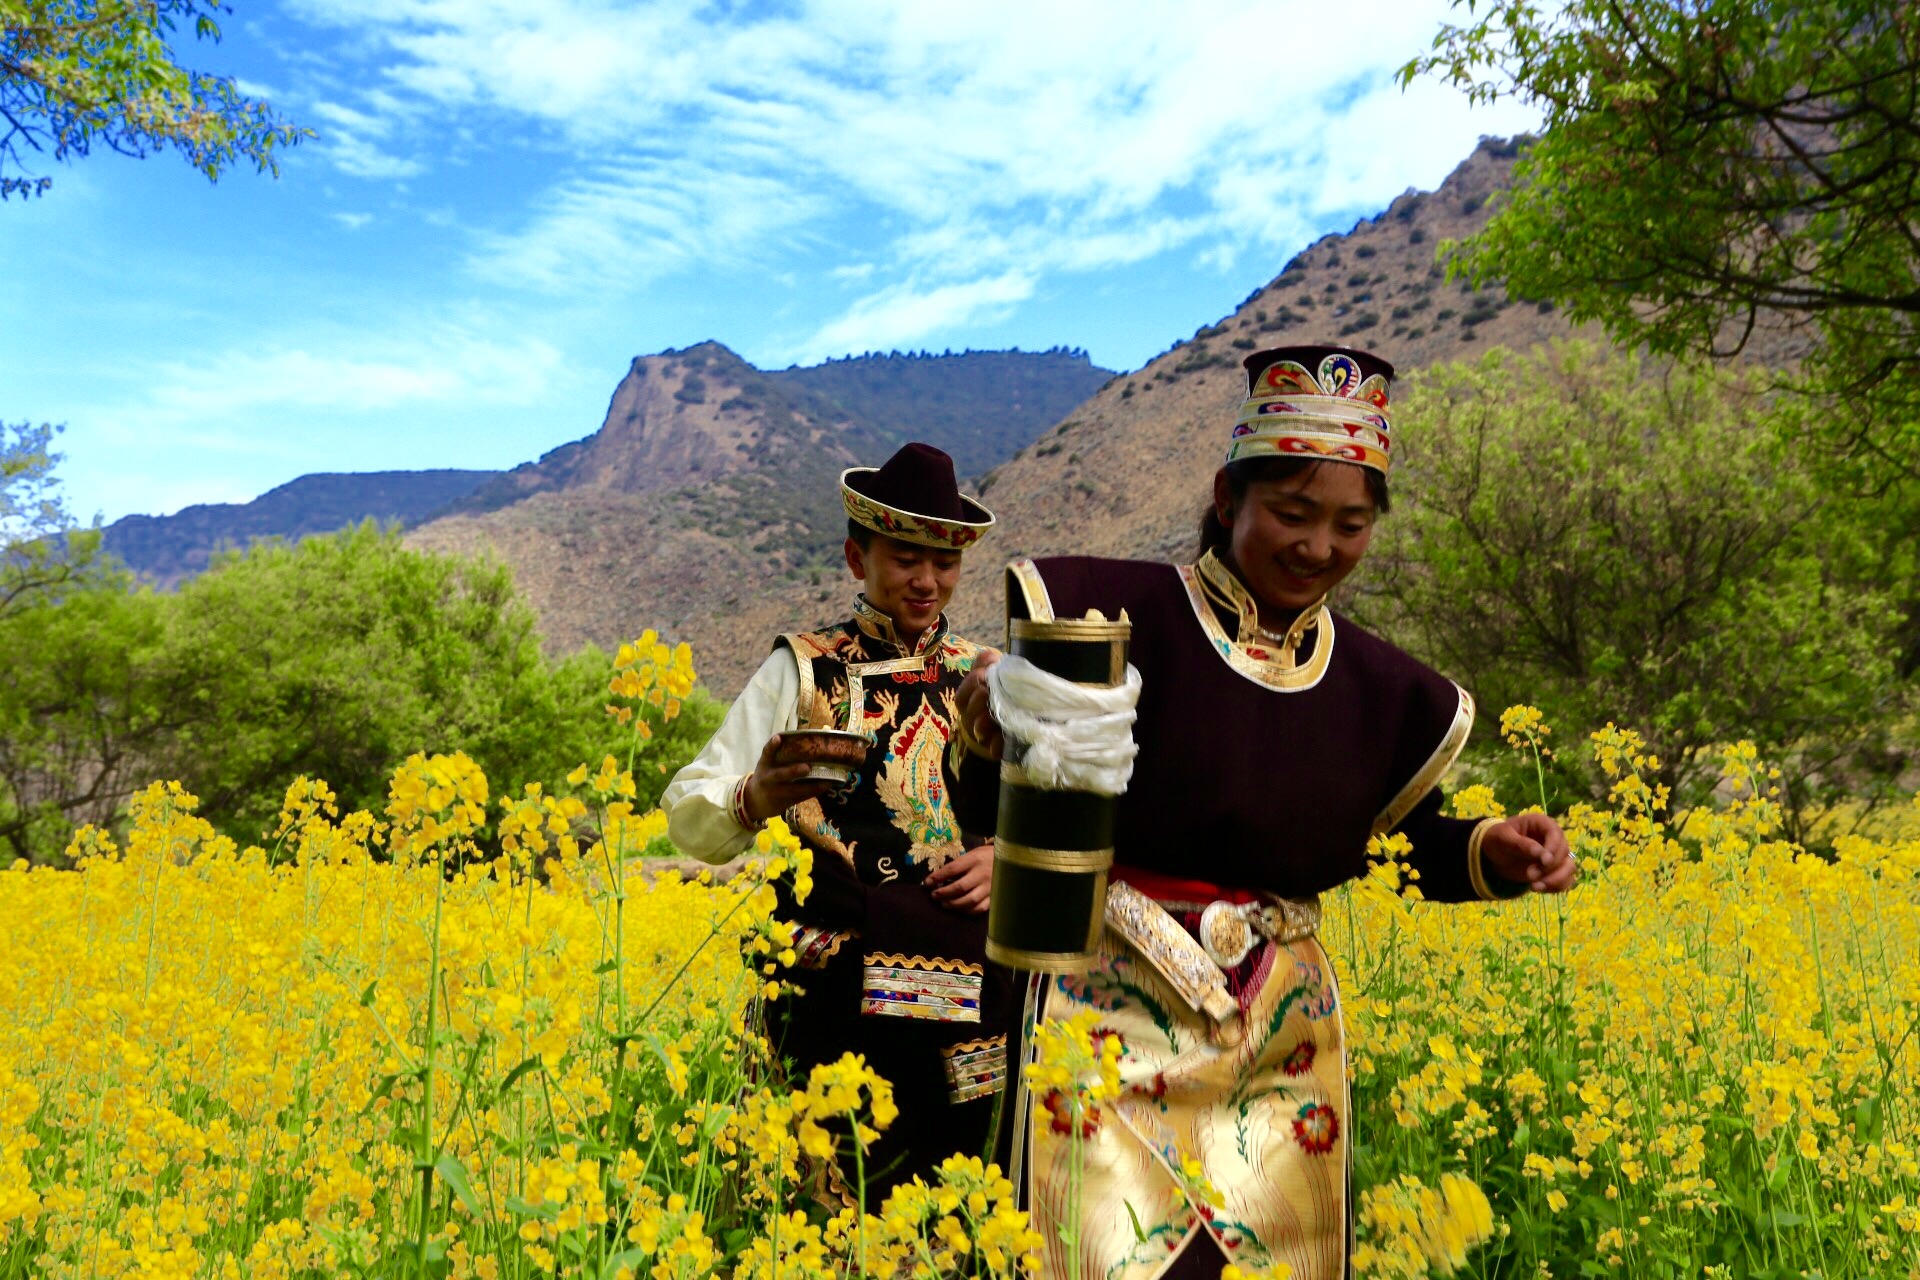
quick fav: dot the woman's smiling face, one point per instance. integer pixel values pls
(1295, 539)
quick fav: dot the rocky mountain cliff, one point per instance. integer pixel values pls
(702, 422)
(708, 502)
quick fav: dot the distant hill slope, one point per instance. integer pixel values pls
(1128, 472)
(701, 420)
(708, 502)
(704, 424)
(166, 549)
(980, 406)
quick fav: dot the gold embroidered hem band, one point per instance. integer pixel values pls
(936, 990)
(975, 1068)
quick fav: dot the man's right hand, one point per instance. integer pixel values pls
(976, 710)
(773, 788)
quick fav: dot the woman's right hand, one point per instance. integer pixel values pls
(981, 730)
(773, 787)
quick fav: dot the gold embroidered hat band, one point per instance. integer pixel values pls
(914, 498)
(1315, 402)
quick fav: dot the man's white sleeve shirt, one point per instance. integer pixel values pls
(704, 802)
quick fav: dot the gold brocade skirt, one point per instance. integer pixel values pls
(1266, 1120)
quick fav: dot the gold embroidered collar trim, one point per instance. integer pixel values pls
(878, 626)
(1252, 651)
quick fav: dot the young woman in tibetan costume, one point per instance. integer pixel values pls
(893, 937)
(1275, 738)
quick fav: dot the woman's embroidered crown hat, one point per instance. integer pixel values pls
(1326, 402)
(914, 498)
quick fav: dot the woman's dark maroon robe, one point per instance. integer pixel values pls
(1244, 785)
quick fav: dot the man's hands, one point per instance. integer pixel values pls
(964, 883)
(774, 788)
(1531, 849)
(976, 717)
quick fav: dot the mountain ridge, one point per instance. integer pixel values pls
(165, 549)
(663, 431)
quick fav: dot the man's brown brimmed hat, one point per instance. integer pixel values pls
(914, 498)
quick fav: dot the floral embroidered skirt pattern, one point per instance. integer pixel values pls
(1266, 1120)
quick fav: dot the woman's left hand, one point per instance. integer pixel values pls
(965, 883)
(1531, 849)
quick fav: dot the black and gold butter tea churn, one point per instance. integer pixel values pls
(1053, 846)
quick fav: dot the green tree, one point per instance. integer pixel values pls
(81, 716)
(79, 73)
(1713, 167)
(1646, 549)
(40, 549)
(335, 658)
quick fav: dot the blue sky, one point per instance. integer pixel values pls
(506, 202)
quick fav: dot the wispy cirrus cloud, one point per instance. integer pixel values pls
(238, 386)
(1009, 137)
(907, 312)
(259, 413)
(636, 221)
(349, 139)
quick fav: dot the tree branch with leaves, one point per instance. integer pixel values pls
(75, 74)
(1709, 170)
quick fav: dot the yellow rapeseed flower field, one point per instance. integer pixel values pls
(1701, 1062)
(474, 1035)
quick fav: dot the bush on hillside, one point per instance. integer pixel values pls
(1609, 541)
(334, 658)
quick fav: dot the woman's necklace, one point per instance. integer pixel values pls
(1227, 591)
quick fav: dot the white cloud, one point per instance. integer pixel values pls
(906, 312)
(346, 139)
(352, 221)
(445, 389)
(242, 383)
(1007, 137)
(637, 221)
(346, 118)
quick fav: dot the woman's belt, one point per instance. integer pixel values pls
(1232, 922)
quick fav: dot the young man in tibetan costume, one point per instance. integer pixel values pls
(1275, 739)
(893, 935)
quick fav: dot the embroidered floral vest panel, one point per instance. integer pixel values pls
(894, 821)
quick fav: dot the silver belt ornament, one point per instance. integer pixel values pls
(1231, 930)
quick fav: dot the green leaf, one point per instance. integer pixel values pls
(628, 1258)
(454, 1174)
(382, 1090)
(519, 1071)
(366, 997)
(1869, 1119)
(521, 1209)
(1139, 1232)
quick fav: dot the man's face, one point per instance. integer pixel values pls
(909, 583)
